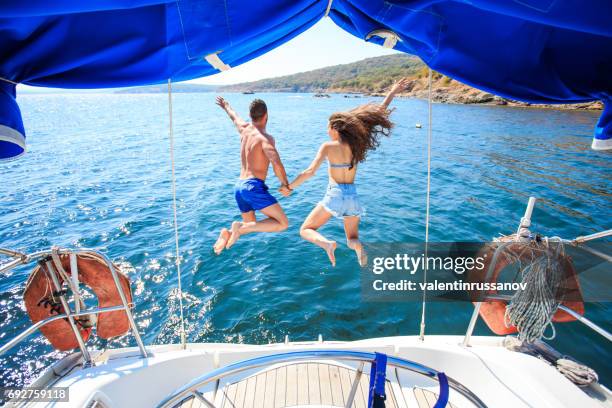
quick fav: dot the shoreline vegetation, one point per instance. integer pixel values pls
(369, 77)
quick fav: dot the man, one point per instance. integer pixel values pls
(257, 151)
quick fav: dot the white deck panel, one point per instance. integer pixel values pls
(499, 377)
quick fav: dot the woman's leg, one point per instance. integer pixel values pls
(317, 217)
(351, 229)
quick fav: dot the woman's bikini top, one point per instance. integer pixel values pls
(340, 165)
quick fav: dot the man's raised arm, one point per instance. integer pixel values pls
(231, 113)
(272, 155)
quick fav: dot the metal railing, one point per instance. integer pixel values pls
(505, 298)
(522, 235)
(41, 256)
(191, 390)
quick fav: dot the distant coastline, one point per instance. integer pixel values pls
(373, 76)
(368, 77)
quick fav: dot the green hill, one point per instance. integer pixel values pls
(375, 76)
(369, 75)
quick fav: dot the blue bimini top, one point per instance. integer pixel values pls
(539, 51)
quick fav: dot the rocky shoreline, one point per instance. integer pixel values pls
(446, 90)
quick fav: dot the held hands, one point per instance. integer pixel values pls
(285, 190)
(222, 102)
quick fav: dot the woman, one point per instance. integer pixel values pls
(352, 134)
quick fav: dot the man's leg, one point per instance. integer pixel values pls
(276, 222)
(248, 216)
(225, 234)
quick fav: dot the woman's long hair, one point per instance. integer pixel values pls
(361, 128)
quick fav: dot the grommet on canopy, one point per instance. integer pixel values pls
(389, 36)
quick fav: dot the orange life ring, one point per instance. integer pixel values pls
(493, 311)
(42, 302)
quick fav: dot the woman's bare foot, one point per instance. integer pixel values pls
(362, 256)
(234, 234)
(356, 246)
(330, 247)
(221, 241)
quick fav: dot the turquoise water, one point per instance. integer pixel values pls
(97, 174)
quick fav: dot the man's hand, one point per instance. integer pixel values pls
(404, 84)
(230, 112)
(222, 103)
(285, 191)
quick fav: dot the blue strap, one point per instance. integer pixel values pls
(378, 374)
(340, 165)
(443, 398)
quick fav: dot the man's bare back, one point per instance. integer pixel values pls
(253, 160)
(257, 152)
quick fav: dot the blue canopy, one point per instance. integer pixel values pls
(541, 51)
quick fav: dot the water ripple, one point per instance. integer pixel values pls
(97, 175)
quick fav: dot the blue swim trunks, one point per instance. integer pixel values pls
(341, 200)
(252, 194)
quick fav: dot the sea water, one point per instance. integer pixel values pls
(97, 175)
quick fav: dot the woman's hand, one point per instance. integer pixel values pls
(401, 85)
(285, 190)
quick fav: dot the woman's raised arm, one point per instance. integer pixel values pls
(312, 169)
(397, 87)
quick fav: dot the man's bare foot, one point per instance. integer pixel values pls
(234, 234)
(221, 241)
(330, 247)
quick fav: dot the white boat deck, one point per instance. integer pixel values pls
(497, 376)
(300, 384)
(311, 384)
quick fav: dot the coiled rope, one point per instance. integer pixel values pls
(176, 235)
(577, 373)
(531, 310)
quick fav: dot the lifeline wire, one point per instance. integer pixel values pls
(9, 81)
(422, 333)
(176, 236)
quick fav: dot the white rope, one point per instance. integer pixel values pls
(579, 374)
(9, 81)
(176, 236)
(532, 309)
(422, 332)
(328, 9)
